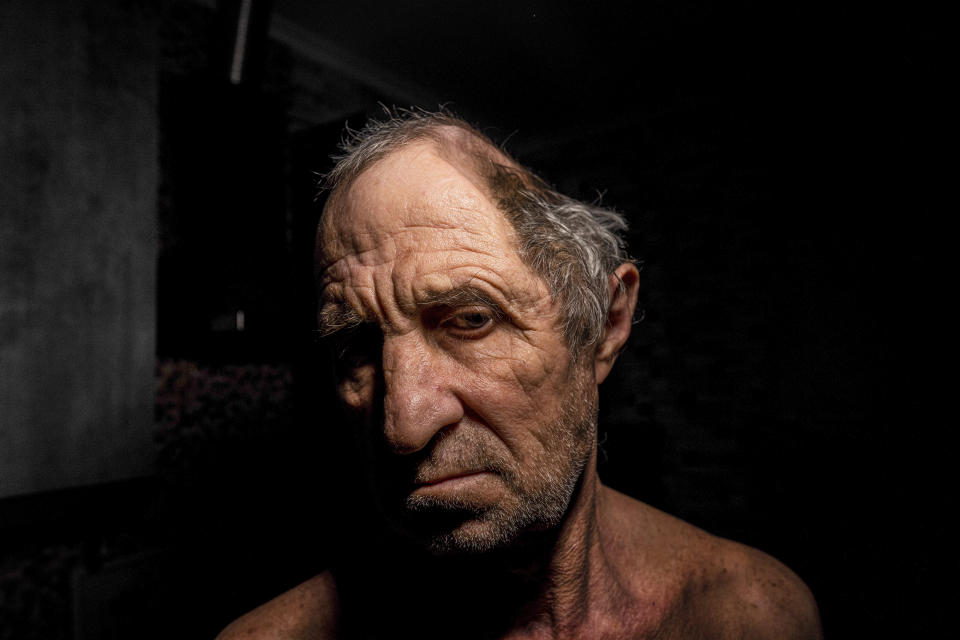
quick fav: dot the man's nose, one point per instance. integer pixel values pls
(419, 393)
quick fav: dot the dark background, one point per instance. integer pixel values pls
(780, 166)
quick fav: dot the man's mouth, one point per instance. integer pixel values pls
(450, 479)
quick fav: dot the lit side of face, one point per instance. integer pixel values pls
(479, 423)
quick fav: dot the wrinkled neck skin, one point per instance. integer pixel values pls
(561, 583)
(579, 585)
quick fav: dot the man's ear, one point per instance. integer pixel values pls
(624, 283)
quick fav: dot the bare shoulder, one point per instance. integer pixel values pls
(308, 611)
(717, 588)
(759, 597)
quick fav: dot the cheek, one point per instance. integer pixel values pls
(519, 384)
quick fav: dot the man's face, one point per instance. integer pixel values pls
(478, 420)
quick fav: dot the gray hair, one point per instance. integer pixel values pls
(573, 246)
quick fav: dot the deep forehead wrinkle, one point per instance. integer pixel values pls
(351, 224)
(410, 239)
(453, 257)
(450, 255)
(383, 242)
(445, 285)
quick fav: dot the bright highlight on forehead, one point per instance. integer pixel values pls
(395, 193)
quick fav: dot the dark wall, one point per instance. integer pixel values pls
(77, 243)
(771, 393)
(783, 387)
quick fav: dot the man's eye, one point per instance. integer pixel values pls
(470, 321)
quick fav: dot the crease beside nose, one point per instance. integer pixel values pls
(419, 395)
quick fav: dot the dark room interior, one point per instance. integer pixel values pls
(169, 447)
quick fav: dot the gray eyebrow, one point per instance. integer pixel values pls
(336, 317)
(460, 296)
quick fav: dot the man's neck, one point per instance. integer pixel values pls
(551, 584)
(577, 578)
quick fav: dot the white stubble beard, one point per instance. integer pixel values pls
(542, 488)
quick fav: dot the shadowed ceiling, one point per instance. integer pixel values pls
(546, 66)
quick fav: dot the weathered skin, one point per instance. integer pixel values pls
(456, 372)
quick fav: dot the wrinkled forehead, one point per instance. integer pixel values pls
(416, 193)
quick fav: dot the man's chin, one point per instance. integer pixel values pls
(455, 529)
(470, 536)
(474, 517)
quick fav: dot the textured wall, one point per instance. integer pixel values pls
(77, 242)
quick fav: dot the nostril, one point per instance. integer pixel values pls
(413, 417)
(401, 449)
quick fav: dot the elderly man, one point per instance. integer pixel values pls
(474, 312)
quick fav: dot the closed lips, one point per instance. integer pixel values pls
(449, 476)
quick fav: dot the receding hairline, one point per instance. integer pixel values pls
(463, 147)
(468, 151)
